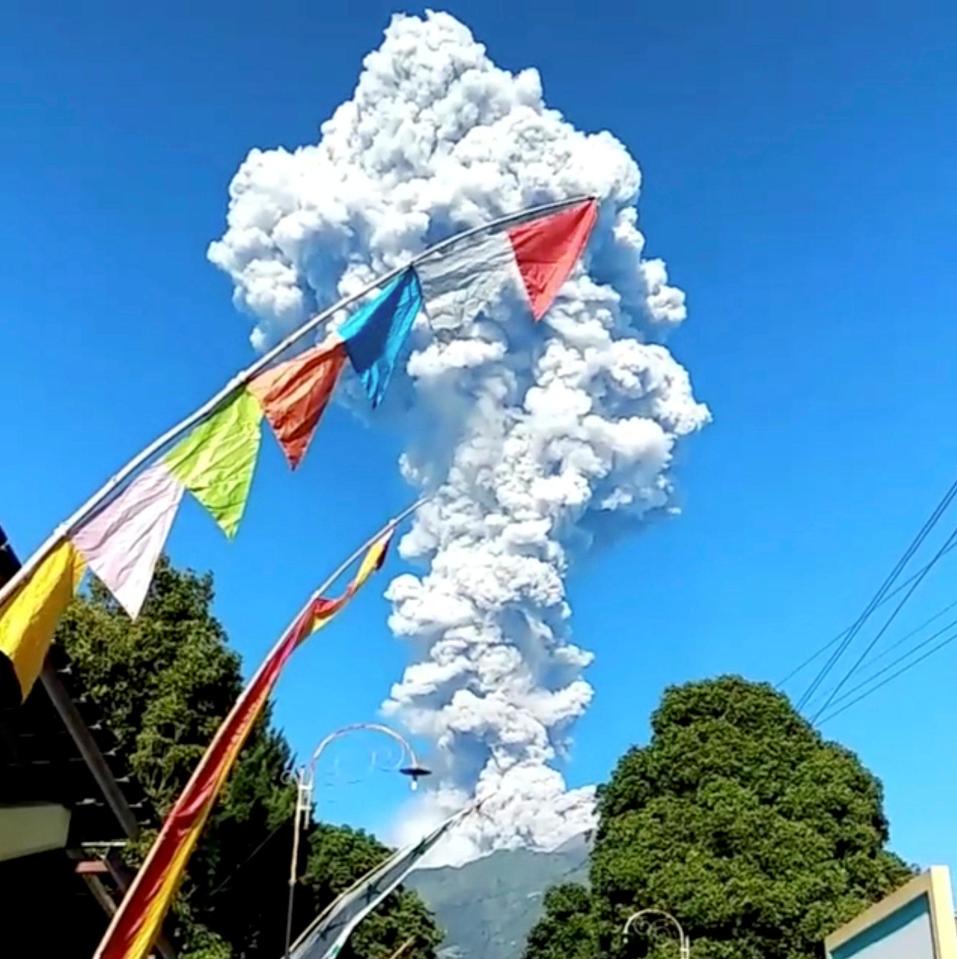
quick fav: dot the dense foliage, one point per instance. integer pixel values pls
(164, 683)
(739, 819)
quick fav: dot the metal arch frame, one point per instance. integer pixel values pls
(684, 943)
(305, 779)
(309, 769)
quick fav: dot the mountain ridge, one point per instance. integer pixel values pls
(488, 906)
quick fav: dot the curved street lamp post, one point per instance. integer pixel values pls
(646, 919)
(305, 778)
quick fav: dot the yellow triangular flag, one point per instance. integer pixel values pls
(29, 617)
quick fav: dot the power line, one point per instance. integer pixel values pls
(844, 632)
(893, 676)
(858, 624)
(885, 587)
(890, 619)
(903, 639)
(904, 656)
(900, 642)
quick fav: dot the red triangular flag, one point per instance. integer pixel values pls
(294, 394)
(546, 250)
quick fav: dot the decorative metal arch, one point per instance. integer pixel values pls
(646, 920)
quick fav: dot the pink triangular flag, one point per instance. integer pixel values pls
(123, 542)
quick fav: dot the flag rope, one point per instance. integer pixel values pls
(99, 499)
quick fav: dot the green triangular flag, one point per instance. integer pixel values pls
(216, 461)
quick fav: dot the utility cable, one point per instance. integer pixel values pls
(284, 823)
(844, 632)
(900, 642)
(894, 662)
(885, 587)
(893, 676)
(890, 619)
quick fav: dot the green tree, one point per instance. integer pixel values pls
(739, 819)
(567, 930)
(164, 683)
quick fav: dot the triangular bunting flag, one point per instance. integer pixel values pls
(29, 617)
(122, 543)
(375, 333)
(546, 250)
(460, 282)
(216, 461)
(537, 256)
(294, 395)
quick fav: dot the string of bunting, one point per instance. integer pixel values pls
(120, 533)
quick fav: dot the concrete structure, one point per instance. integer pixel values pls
(915, 922)
(31, 828)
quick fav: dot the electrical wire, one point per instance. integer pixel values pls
(844, 632)
(890, 619)
(374, 767)
(904, 656)
(284, 823)
(876, 600)
(893, 676)
(900, 642)
(885, 587)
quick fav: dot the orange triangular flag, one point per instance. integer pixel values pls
(294, 394)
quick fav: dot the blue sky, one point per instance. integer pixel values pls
(796, 167)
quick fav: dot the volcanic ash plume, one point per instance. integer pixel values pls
(537, 438)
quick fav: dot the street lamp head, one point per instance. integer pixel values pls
(415, 773)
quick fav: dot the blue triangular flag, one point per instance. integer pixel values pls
(375, 333)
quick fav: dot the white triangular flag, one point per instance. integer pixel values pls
(122, 542)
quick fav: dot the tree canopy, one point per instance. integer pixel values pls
(740, 820)
(164, 683)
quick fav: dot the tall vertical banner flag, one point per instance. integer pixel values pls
(329, 932)
(137, 922)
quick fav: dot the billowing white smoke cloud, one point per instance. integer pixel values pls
(537, 438)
